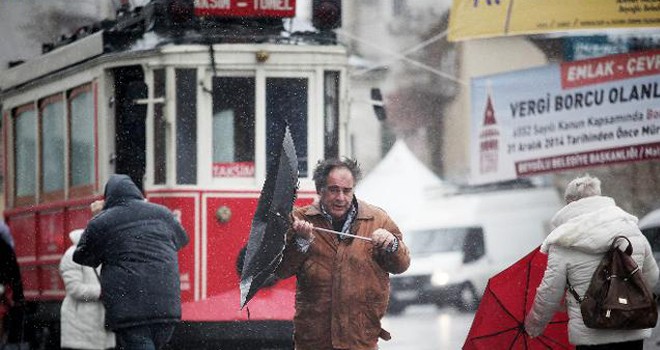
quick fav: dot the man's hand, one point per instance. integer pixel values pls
(96, 206)
(382, 239)
(303, 228)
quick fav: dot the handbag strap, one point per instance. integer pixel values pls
(629, 248)
(573, 292)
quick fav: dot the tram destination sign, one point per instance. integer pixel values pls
(246, 8)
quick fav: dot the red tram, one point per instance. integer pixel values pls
(180, 95)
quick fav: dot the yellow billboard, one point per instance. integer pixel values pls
(472, 19)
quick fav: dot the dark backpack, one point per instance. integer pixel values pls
(617, 297)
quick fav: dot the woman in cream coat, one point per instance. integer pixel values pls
(82, 313)
(583, 232)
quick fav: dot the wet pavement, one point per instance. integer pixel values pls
(426, 327)
(654, 341)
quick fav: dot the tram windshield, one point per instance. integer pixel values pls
(286, 100)
(234, 115)
(233, 126)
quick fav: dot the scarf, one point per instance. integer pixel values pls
(350, 217)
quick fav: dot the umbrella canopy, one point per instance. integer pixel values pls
(499, 321)
(271, 218)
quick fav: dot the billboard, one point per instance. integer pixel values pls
(565, 116)
(471, 19)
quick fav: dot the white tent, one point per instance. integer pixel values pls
(399, 183)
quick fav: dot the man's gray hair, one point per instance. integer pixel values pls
(582, 187)
(324, 167)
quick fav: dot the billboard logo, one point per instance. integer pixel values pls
(489, 140)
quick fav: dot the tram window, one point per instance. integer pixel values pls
(233, 126)
(286, 100)
(331, 113)
(81, 148)
(52, 147)
(186, 126)
(160, 130)
(25, 143)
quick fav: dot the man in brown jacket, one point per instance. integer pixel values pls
(343, 282)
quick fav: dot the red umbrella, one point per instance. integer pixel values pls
(499, 321)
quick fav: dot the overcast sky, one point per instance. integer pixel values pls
(26, 24)
(13, 42)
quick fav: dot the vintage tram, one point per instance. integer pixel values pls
(181, 96)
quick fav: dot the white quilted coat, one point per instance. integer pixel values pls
(583, 231)
(82, 313)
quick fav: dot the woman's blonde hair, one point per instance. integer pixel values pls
(582, 187)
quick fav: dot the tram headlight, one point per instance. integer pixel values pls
(326, 14)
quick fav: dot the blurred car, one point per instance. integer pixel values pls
(437, 254)
(650, 227)
(458, 242)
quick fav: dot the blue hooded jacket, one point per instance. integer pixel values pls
(137, 243)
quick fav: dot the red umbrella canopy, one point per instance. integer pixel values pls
(499, 321)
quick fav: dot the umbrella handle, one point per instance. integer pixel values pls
(342, 233)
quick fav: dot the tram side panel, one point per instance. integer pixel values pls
(41, 237)
(24, 231)
(218, 224)
(185, 210)
(228, 226)
(210, 264)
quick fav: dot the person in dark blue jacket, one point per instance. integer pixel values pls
(136, 242)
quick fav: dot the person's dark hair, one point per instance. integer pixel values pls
(324, 167)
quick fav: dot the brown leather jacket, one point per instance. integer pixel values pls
(343, 286)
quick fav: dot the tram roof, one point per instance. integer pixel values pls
(101, 47)
(155, 27)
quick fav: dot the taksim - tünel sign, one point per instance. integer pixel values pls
(246, 8)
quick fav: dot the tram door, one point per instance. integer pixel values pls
(130, 119)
